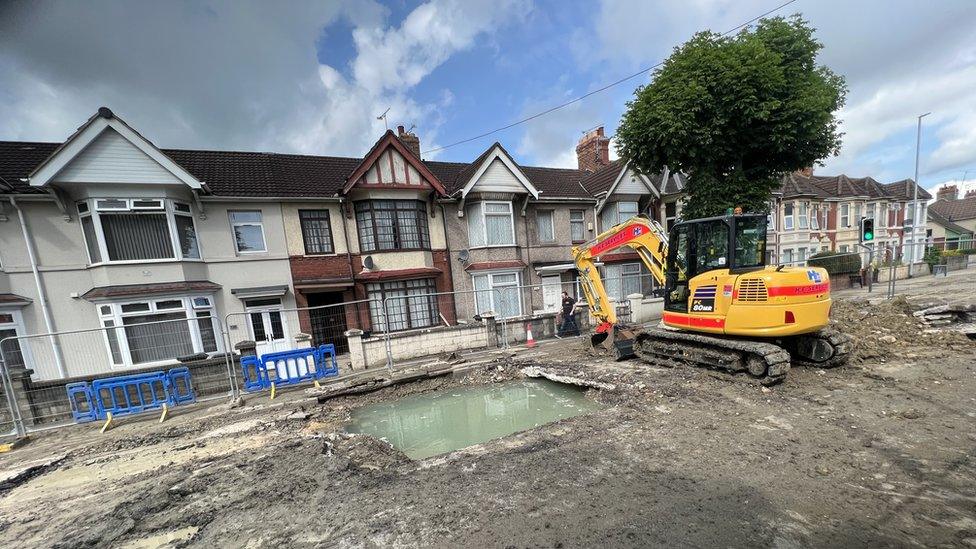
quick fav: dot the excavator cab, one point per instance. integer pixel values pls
(736, 243)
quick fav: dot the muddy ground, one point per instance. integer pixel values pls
(877, 453)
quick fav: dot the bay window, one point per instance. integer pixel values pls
(622, 279)
(498, 293)
(152, 331)
(803, 215)
(137, 229)
(815, 218)
(385, 225)
(845, 215)
(788, 216)
(408, 304)
(882, 220)
(490, 224)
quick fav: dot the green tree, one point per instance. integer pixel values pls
(736, 113)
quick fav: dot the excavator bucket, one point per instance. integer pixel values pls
(617, 341)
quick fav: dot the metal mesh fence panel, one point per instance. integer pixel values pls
(39, 367)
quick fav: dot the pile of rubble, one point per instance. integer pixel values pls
(959, 316)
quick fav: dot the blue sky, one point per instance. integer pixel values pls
(311, 77)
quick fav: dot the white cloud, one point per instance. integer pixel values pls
(228, 74)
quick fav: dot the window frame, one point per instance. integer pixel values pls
(789, 219)
(328, 226)
(483, 213)
(235, 224)
(845, 215)
(429, 283)
(803, 218)
(423, 236)
(111, 312)
(552, 226)
(490, 290)
(815, 217)
(582, 224)
(90, 209)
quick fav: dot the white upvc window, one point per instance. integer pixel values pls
(618, 212)
(869, 211)
(577, 225)
(157, 331)
(136, 230)
(786, 256)
(815, 217)
(857, 213)
(490, 224)
(801, 255)
(882, 220)
(788, 216)
(622, 279)
(845, 215)
(803, 209)
(498, 292)
(247, 227)
(544, 225)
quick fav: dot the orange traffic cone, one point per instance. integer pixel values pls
(529, 340)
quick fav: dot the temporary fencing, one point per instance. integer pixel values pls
(36, 369)
(132, 394)
(289, 367)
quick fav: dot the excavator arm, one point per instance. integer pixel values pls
(643, 235)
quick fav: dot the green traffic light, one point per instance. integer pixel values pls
(868, 236)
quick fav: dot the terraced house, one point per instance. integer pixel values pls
(952, 220)
(163, 249)
(813, 213)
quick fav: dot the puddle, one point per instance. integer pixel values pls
(435, 423)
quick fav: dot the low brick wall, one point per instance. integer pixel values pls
(371, 351)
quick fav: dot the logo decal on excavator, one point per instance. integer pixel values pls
(704, 300)
(618, 240)
(814, 276)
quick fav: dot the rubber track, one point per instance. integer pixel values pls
(767, 362)
(842, 344)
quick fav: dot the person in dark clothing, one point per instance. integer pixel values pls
(569, 326)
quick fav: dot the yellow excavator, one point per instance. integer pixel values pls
(723, 306)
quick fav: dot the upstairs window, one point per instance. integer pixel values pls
(670, 214)
(617, 213)
(577, 225)
(845, 215)
(882, 220)
(788, 216)
(248, 228)
(138, 229)
(803, 215)
(490, 224)
(316, 231)
(815, 218)
(392, 225)
(543, 221)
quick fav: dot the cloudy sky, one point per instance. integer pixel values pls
(312, 77)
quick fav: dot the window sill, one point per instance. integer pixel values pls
(333, 254)
(143, 262)
(395, 250)
(493, 246)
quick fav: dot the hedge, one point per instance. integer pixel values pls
(836, 262)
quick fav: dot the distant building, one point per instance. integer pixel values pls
(952, 220)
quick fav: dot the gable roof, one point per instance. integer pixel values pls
(390, 139)
(470, 175)
(601, 180)
(101, 121)
(905, 189)
(962, 209)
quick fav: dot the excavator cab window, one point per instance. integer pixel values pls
(711, 245)
(679, 268)
(750, 242)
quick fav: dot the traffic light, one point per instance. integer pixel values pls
(867, 229)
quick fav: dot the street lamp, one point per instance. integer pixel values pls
(918, 144)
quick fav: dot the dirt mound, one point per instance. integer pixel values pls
(887, 329)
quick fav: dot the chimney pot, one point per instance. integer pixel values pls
(593, 150)
(409, 140)
(948, 192)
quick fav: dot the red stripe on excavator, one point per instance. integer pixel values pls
(693, 321)
(806, 289)
(622, 237)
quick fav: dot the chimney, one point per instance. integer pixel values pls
(949, 192)
(593, 150)
(409, 139)
(805, 172)
(970, 193)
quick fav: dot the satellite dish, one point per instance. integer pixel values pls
(463, 256)
(368, 262)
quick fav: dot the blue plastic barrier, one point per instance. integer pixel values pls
(289, 367)
(132, 394)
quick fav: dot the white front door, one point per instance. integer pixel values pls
(268, 325)
(551, 293)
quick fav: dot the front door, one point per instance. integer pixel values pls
(268, 325)
(327, 316)
(551, 292)
(10, 349)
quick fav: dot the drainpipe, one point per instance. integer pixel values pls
(41, 294)
(352, 275)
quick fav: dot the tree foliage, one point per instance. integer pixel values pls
(735, 114)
